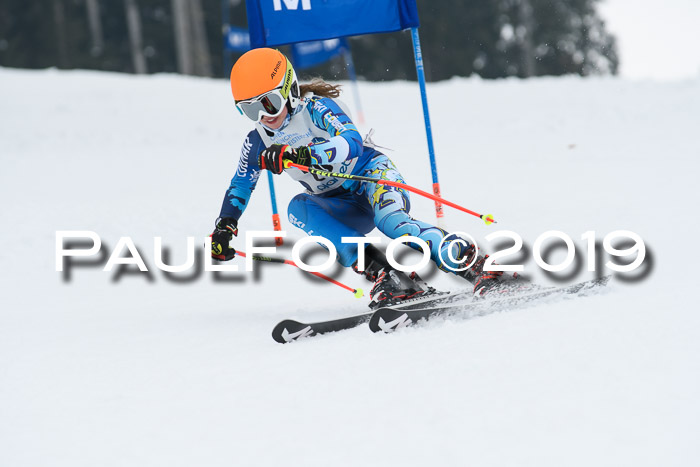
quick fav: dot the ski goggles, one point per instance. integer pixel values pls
(269, 104)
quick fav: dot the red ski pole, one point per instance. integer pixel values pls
(487, 218)
(357, 292)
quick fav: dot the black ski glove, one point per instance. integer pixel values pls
(272, 158)
(226, 228)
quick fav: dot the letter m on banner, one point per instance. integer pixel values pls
(292, 4)
(280, 22)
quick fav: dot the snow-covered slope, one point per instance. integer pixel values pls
(142, 370)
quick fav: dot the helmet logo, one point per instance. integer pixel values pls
(288, 80)
(274, 72)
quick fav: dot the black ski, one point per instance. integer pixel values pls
(290, 330)
(389, 319)
(450, 298)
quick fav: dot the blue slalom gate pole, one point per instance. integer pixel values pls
(418, 55)
(275, 216)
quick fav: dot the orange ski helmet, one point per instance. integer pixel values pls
(259, 72)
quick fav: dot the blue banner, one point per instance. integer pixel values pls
(308, 54)
(278, 22)
(237, 39)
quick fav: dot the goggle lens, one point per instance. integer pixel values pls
(270, 105)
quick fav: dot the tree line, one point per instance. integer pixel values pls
(489, 38)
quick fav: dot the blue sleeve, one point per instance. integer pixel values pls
(246, 177)
(345, 141)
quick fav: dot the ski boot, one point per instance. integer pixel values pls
(485, 282)
(391, 286)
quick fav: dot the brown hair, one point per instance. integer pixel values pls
(320, 88)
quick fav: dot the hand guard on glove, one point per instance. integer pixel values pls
(226, 228)
(272, 158)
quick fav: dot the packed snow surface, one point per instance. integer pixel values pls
(143, 369)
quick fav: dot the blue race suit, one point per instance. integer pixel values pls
(335, 207)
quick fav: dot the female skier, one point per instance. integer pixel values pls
(306, 125)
